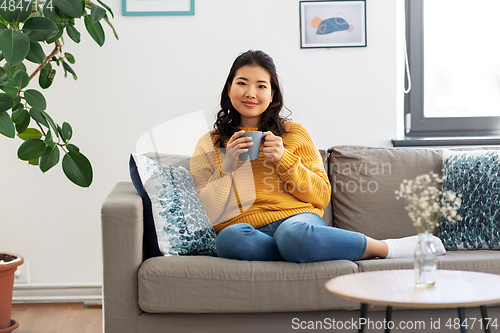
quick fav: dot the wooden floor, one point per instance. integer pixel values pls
(57, 317)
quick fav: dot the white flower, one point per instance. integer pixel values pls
(426, 201)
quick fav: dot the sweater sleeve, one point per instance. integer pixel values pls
(212, 184)
(301, 168)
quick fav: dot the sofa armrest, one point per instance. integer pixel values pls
(122, 233)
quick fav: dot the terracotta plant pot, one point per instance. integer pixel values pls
(8, 266)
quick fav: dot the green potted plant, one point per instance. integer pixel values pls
(26, 25)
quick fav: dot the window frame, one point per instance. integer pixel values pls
(419, 125)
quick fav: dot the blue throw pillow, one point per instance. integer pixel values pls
(175, 222)
(475, 175)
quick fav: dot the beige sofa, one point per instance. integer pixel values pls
(209, 294)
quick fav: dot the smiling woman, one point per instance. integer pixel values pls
(254, 218)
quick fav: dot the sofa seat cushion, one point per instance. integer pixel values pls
(486, 261)
(201, 284)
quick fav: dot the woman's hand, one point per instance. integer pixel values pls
(234, 148)
(273, 147)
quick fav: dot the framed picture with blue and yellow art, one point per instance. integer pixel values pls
(334, 23)
(157, 7)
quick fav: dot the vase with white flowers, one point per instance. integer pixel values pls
(426, 204)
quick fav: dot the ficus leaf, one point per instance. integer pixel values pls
(35, 99)
(67, 68)
(22, 79)
(46, 77)
(38, 117)
(20, 128)
(18, 106)
(73, 33)
(51, 122)
(7, 125)
(67, 132)
(48, 139)
(30, 133)
(72, 8)
(5, 76)
(31, 149)
(107, 8)
(69, 57)
(95, 30)
(40, 28)
(73, 148)
(49, 11)
(59, 131)
(6, 102)
(112, 27)
(15, 46)
(77, 168)
(49, 158)
(10, 88)
(35, 53)
(19, 116)
(97, 13)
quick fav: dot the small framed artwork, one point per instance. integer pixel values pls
(334, 23)
(157, 7)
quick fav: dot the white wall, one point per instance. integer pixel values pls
(165, 67)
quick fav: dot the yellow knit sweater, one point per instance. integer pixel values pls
(262, 191)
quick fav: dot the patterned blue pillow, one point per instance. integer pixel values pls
(476, 175)
(182, 227)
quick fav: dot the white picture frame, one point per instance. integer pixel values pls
(338, 23)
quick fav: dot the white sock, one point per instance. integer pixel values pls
(405, 247)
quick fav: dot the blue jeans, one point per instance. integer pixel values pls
(299, 238)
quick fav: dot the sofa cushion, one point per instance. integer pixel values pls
(173, 209)
(476, 176)
(363, 183)
(199, 284)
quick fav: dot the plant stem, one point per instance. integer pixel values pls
(46, 61)
(41, 128)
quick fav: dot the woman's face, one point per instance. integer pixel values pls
(251, 93)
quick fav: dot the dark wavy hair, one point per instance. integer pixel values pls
(228, 119)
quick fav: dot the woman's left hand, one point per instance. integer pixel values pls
(273, 147)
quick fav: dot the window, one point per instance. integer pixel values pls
(454, 60)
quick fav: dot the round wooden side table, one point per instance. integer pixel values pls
(453, 289)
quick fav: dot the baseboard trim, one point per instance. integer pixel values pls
(43, 293)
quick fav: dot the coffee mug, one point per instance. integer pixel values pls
(253, 150)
